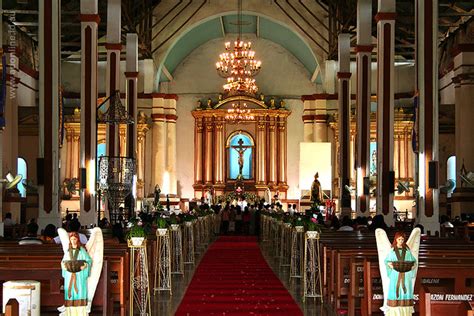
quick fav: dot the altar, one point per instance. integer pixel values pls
(240, 139)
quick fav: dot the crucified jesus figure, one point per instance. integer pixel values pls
(240, 150)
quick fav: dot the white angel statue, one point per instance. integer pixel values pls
(81, 269)
(398, 263)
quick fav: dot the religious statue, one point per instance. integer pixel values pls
(272, 103)
(398, 263)
(316, 192)
(156, 200)
(81, 269)
(268, 196)
(209, 196)
(240, 150)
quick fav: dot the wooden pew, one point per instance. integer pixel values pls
(49, 274)
(117, 257)
(455, 271)
(341, 260)
(432, 304)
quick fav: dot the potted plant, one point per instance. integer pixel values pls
(69, 188)
(137, 234)
(161, 226)
(173, 220)
(299, 224)
(313, 228)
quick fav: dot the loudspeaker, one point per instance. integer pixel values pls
(391, 181)
(366, 185)
(83, 178)
(40, 171)
(433, 174)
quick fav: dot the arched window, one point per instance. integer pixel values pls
(451, 173)
(100, 152)
(23, 170)
(240, 146)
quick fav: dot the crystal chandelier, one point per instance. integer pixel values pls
(238, 65)
(238, 113)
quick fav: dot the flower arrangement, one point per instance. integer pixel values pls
(173, 219)
(137, 229)
(312, 225)
(70, 186)
(161, 222)
(188, 216)
(298, 221)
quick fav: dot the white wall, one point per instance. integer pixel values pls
(281, 73)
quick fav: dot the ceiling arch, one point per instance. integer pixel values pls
(219, 26)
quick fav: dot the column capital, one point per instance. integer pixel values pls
(385, 16)
(364, 48)
(90, 18)
(463, 79)
(317, 118)
(113, 46)
(343, 75)
(131, 74)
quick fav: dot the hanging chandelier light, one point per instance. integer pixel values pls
(238, 65)
(239, 112)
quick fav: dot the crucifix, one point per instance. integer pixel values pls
(240, 150)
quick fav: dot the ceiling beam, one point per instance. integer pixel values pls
(167, 73)
(315, 73)
(34, 12)
(471, 13)
(19, 23)
(258, 26)
(221, 19)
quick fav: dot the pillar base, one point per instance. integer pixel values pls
(462, 202)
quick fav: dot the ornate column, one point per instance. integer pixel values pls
(344, 113)
(220, 151)
(88, 146)
(131, 81)
(315, 118)
(113, 47)
(261, 150)
(364, 61)
(208, 146)
(427, 88)
(171, 118)
(308, 118)
(76, 149)
(320, 127)
(464, 94)
(159, 150)
(385, 107)
(198, 144)
(282, 152)
(49, 80)
(68, 153)
(272, 152)
(141, 138)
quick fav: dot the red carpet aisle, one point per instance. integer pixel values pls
(233, 278)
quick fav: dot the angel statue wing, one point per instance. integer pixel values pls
(383, 249)
(64, 237)
(95, 248)
(413, 243)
